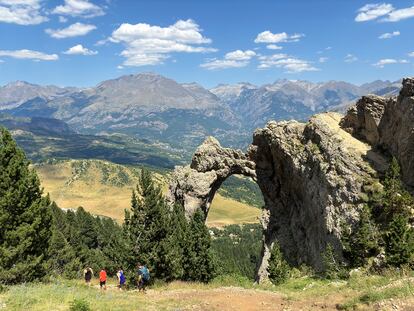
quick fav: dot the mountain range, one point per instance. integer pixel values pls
(150, 106)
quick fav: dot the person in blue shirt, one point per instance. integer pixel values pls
(121, 279)
(143, 277)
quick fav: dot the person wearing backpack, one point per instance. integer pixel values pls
(88, 274)
(121, 278)
(143, 277)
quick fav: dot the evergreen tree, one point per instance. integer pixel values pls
(334, 268)
(363, 242)
(25, 218)
(175, 244)
(146, 226)
(396, 200)
(278, 268)
(198, 257)
(399, 239)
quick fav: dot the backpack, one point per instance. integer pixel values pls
(122, 278)
(145, 274)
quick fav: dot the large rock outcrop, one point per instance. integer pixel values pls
(388, 125)
(314, 177)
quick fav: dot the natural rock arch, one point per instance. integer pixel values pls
(314, 177)
(311, 183)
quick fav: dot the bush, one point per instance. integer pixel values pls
(79, 305)
(279, 269)
(333, 267)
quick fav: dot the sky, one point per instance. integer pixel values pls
(83, 42)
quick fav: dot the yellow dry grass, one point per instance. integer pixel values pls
(70, 190)
(350, 143)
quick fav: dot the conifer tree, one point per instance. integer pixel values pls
(198, 258)
(278, 268)
(399, 246)
(363, 242)
(396, 200)
(25, 218)
(146, 225)
(175, 245)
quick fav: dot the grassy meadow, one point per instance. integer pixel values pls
(391, 291)
(104, 188)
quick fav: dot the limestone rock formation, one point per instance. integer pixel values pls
(387, 124)
(194, 186)
(314, 177)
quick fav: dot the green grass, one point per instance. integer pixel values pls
(359, 292)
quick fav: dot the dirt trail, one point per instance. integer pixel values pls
(235, 298)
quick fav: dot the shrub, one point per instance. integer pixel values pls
(79, 305)
(333, 267)
(278, 268)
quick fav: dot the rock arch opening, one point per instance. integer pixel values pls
(239, 200)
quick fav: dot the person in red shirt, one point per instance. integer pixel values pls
(102, 279)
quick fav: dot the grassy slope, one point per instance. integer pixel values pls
(301, 293)
(104, 188)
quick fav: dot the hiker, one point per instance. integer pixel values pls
(102, 279)
(88, 274)
(143, 277)
(121, 278)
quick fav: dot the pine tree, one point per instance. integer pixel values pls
(175, 244)
(396, 200)
(399, 246)
(278, 268)
(25, 218)
(198, 258)
(147, 226)
(363, 242)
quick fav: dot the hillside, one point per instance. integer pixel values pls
(104, 188)
(45, 138)
(391, 292)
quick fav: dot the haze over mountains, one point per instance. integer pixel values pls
(153, 107)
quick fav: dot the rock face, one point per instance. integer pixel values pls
(314, 177)
(387, 124)
(194, 186)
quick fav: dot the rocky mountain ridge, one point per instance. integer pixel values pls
(314, 176)
(150, 106)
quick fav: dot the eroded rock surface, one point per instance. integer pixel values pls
(314, 177)
(387, 124)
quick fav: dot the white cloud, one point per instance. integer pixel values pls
(373, 11)
(288, 63)
(62, 19)
(388, 61)
(397, 15)
(74, 30)
(389, 35)
(411, 54)
(151, 45)
(323, 59)
(79, 8)
(385, 11)
(29, 54)
(240, 55)
(21, 12)
(269, 37)
(273, 47)
(80, 50)
(234, 59)
(350, 58)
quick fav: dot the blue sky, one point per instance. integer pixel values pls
(80, 42)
